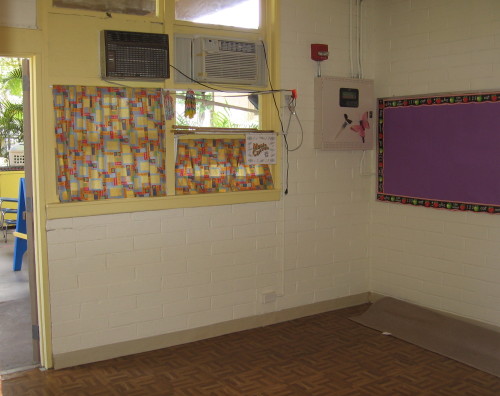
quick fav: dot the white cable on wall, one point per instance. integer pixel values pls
(360, 69)
(350, 39)
(360, 38)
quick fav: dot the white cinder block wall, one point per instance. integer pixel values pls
(326, 209)
(127, 276)
(441, 259)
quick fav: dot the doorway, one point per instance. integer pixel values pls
(19, 345)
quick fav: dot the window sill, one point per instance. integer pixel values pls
(111, 206)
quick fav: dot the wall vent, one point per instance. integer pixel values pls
(134, 55)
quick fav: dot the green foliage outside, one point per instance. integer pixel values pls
(204, 108)
(11, 104)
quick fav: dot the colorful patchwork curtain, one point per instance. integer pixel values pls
(217, 165)
(110, 143)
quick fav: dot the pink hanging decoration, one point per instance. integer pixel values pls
(190, 106)
(168, 105)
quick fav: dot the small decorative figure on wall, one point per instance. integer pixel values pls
(168, 105)
(190, 106)
(362, 127)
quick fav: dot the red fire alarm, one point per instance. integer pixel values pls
(319, 52)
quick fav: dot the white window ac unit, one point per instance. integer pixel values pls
(221, 60)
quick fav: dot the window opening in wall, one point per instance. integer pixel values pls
(218, 110)
(235, 13)
(11, 112)
(130, 7)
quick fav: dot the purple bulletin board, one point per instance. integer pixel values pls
(440, 151)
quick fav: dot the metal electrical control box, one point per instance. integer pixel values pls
(344, 114)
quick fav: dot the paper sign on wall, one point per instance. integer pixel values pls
(261, 148)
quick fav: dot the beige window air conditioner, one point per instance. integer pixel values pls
(220, 60)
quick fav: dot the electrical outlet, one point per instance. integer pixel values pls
(268, 297)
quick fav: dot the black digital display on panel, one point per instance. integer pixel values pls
(349, 97)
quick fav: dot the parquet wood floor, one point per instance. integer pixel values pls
(324, 354)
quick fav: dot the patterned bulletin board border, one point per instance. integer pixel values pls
(474, 136)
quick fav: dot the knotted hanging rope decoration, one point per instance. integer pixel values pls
(190, 106)
(168, 105)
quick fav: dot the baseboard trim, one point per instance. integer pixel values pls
(111, 351)
(374, 297)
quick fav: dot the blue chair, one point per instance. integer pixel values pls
(5, 222)
(20, 242)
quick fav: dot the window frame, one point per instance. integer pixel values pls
(269, 120)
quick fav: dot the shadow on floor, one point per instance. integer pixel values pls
(16, 348)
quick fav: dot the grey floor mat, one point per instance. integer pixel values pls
(467, 343)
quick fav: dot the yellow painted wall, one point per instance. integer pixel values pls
(9, 183)
(72, 56)
(9, 188)
(19, 42)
